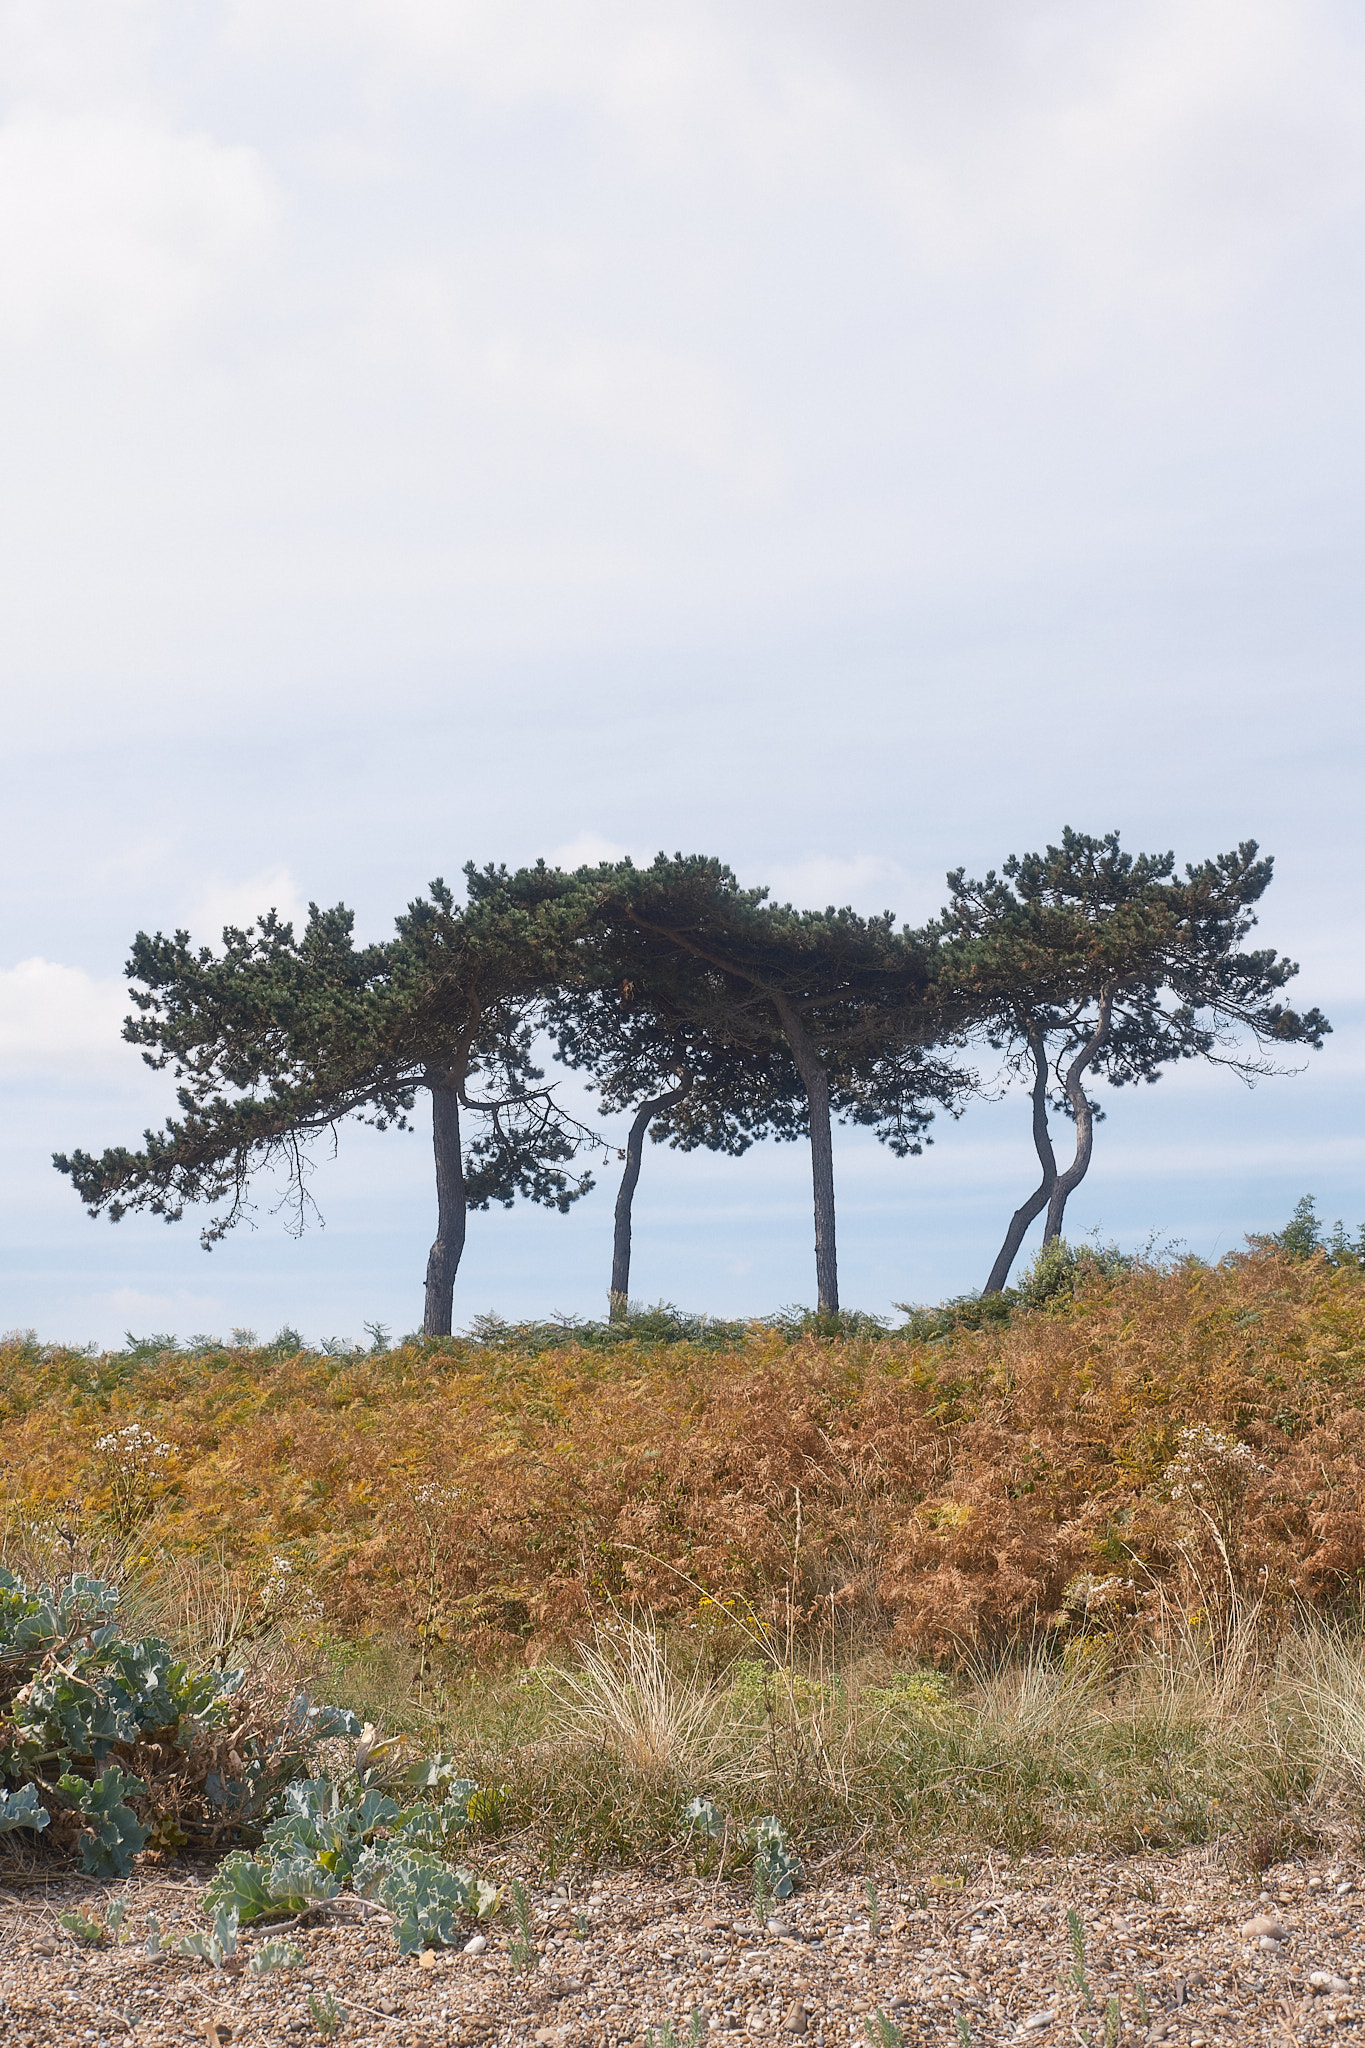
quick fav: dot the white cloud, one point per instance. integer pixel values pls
(869, 881)
(226, 900)
(1140, 162)
(585, 850)
(114, 226)
(182, 1313)
(57, 1020)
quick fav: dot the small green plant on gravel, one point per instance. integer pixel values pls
(706, 1826)
(90, 1933)
(95, 1932)
(488, 1809)
(216, 1944)
(1077, 1974)
(775, 1858)
(882, 2031)
(326, 1838)
(703, 1816)
(276, 1955)
(327, 2016)
(667, 2036)
(964, 2032)
(1113, 2024)
(763, 1892)
(521, 1949)
(874, 1915)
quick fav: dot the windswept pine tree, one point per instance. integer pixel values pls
(1084, 961)
(850, 1001)
(640, 1022)
(278, 1039)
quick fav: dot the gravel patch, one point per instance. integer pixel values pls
(1192, 1954)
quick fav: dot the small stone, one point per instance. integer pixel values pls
(1039, 2019)
(1342, 1889)
(1322, 1981)
(794, 2021)
(778, 1927)
(475, 1945)
(1266, 1927)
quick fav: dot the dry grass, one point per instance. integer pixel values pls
(625, 1694)
(1328, 1687)
(601, 1750)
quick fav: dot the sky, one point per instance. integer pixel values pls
(855, 440)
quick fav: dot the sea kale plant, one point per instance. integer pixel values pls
(329, 1840)
(109, 1742)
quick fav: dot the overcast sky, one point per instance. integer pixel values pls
(856, 440)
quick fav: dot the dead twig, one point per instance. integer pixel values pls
(844, 1849)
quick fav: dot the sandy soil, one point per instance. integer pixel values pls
(948, 1963)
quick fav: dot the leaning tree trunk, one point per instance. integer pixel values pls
(635, 1145)
(816, 1083)
(444, 1258)
(1085, 1121)
(1047, 1159)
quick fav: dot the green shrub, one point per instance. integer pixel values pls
(1304, 1237)
(106, 1739)
(328, 1837)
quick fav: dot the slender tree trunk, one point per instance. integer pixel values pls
(1085, 1120)
(816, 1083)
(635, 1146)
(1047, 1159)
(444, 1258)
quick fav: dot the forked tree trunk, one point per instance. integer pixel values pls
(444, 1258)
(635, 1146)
(1085, 1120)
(1047, 1159)
(816, 1084)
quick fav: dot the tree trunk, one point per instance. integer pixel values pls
(444, 1258)
(635, 1146)
(1047, 1159)
(1085, 1120)
(816, 1083)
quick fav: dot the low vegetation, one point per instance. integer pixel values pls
(1138, 1435)
(1082, 1568)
